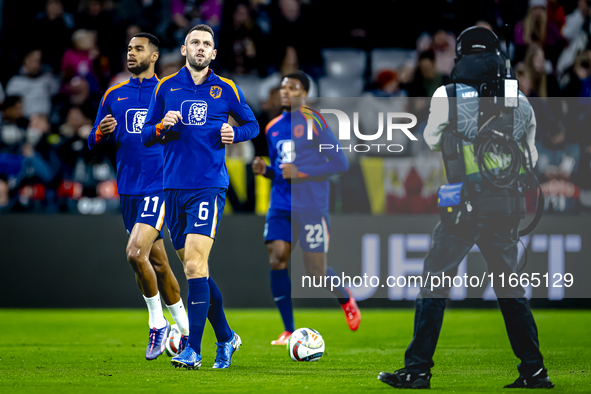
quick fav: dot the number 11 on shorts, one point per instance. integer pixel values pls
(147, 200)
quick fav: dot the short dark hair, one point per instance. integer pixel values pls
(303, 78)
(10, 101)
(155, 42)
(201, 27)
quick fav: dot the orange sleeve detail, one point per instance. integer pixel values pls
(161, 82)
(272, 122)
(98, 135)
(302, 175)
(159, 128)
(232, 85)
(113, 88)
(269, 125)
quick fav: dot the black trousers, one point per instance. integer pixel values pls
(497, 240)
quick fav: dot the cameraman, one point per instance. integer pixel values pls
(488, 213)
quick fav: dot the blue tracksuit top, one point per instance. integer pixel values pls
(139, 169)
(194, 156)
(287, 138)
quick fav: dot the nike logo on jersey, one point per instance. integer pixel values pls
(199, 225)
(172, 90)
(122, 98)
(314, 246)
(145, 216)
(195, 303)
(278, 298)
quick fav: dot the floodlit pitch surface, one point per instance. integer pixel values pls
(88, 351)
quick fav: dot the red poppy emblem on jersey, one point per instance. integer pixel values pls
(298, 131)
(275, 133)
(215, 92)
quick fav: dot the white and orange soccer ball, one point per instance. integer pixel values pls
(305, 344)
(173, 341)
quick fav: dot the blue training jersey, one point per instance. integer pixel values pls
(287, 137)
(139, 169)
(194, 156)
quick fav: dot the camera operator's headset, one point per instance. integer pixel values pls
(476, 39)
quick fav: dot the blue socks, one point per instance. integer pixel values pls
(202, 291)
(340, 292)
(197, 307)
(281, 289)
(216, 314)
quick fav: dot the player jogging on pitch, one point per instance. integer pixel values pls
(300, 195)
(120, 119)
(189, 114)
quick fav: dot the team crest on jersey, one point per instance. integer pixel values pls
(286, 151)
(298, 130)
(215, 92)
(134, 120)
(194, 112)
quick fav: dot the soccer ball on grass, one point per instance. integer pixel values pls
(305, 344)
(173, 341)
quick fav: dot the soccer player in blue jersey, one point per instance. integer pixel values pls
(299, 196)
(120, 119)
(189, 113)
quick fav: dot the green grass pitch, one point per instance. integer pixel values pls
(92, 351)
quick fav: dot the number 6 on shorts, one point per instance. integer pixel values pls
(203, 211)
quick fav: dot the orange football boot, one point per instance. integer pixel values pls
(283, 338)
(352, 312)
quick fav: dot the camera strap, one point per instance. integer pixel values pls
(451, 144)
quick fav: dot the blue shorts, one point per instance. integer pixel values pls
(147, 209)
(196, 211)
(312, 227)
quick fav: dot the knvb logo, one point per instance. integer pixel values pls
(392, 120)
(215, 92)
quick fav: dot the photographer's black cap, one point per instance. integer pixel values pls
(477, 40)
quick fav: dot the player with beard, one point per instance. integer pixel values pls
(119, 120)
(189, 113)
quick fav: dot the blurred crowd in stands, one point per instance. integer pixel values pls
(59, 57)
